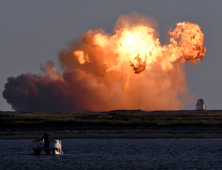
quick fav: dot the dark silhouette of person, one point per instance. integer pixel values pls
(46, 140)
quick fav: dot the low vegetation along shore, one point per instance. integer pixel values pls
(113, 124)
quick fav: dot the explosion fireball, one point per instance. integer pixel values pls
(127, 70)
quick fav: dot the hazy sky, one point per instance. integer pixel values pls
(33, 32)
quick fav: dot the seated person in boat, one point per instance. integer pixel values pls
(46, 140)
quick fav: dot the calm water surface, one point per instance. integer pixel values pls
(116, 154)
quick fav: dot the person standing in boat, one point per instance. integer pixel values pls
(46, 140)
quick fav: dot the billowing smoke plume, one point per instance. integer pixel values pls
(127, 70)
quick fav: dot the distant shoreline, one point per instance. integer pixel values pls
(106, 135)
(125, 124)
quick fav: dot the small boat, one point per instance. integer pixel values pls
(54, 147)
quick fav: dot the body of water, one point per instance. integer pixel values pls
(116, 154)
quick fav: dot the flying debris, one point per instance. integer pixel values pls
(200, 105)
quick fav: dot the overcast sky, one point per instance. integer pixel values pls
(33, 32)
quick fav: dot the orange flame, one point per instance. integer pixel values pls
(81, 57)
(138, 47)
(127, 70)
(135, 48)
